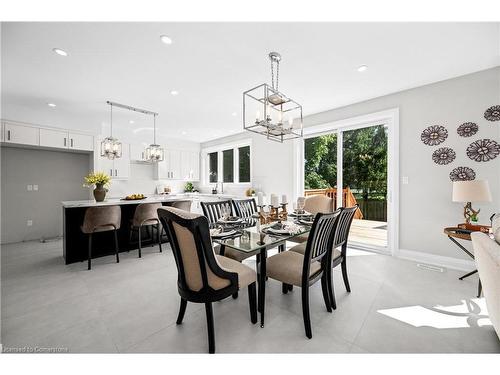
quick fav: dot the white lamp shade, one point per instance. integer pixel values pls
(471, 191)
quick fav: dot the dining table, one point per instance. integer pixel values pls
(253, 239)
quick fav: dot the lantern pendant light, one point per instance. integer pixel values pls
(110, 146)
(154, 152)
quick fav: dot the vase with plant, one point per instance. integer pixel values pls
(189, 187)
(101, 181)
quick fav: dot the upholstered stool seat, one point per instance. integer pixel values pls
(146, 215)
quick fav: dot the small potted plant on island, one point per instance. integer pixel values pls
(189, 187)
(101, 181)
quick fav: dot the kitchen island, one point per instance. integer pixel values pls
(75, 248)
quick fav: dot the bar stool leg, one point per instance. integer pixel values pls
(140, 235)
(158, 230)
(116, 247)
(90, 252)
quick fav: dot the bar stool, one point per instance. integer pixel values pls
(146, 216)
(102, 219)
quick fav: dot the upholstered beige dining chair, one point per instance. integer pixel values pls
(101, 219)
(203, 276)
(303, 270)
(146, 216)
(315, 204)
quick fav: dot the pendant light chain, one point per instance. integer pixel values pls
(154, 129)
(111, 121)
(277, 73)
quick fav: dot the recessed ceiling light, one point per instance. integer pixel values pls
(165, 39)
(60, 51)
(362, 68)
(131, 122)
(51, 105)
(174, 92)
(234, 114)
(184, 133)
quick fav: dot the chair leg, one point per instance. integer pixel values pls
(210, 325)
(284, 288)
(182, 311)
(326, 294)
(139, 233)
(344, 275)
(116, 247)
(305, 310)
(89, 266)
(159, 235)
(235, 295)
(290, 287)
(331, 290)
(252, 301)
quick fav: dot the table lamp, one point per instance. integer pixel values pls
(471, 191)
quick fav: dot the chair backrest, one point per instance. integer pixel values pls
(318, 203)
(101, 217)
(145, 212)
(213, 210)
(182, 205)
(245, 207)
(320, 238)
(198, 270)
(344, 225)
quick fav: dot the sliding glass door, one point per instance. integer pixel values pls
(354, 159)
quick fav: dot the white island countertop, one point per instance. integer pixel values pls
(151, 199)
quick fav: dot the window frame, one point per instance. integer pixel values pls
(220, 164)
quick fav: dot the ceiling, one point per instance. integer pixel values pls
(211, 64)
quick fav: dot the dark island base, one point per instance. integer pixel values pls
(76, 242)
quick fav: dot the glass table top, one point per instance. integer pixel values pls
(250, 240)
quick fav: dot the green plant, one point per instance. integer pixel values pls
(97, 178)
(189, 187)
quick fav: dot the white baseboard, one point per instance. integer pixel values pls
(437, 260)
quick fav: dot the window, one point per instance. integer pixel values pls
(228, 164)
(244, 163)
(213, 167)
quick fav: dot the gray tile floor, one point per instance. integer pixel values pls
(132, 306)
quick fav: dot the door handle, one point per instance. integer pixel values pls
(71, 142)
(8, 135)
(64, 141)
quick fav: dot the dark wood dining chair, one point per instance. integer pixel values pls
(146, 215)
(336, 256)
(303, 270)
(101, 219)
(203, 276)
(245, 208)
(213, 212)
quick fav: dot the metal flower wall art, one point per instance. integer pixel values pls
(434, 135)
(483, 150)
(443, 156)
(467, 129)
(492, 113)
(462, 174)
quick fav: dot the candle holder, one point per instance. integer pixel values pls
(284, 212)
(275, 214)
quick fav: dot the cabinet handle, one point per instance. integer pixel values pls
(71, 142)
(143, 155)
(64, 141)
(111, 172)
(8, 135)
(116, 173)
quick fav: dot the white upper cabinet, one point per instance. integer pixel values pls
(137, 151)
(175, 164)
(78, 141)
(53, 138)
(190, 165)
(21, 134)
(195, 165)
(121, 166)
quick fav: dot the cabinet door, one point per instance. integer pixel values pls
(195, 166)
(82, 142)
(21, 134)
(186, 165)
(175, 164)
(54, 138)
(121, 166)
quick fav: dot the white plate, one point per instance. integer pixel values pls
(223, 234)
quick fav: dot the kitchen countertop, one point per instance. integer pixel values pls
(150, 199)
